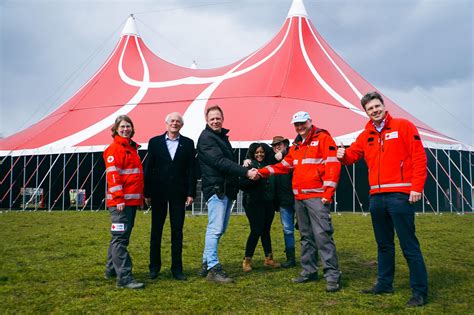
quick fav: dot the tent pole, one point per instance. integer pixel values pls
(239, 209)
(353, 189)
(49, 183)
(11, 181)
(64, 179)
(450, 187)
(451, 180)
(36, 182)
(437, 181)
(470, 179)
(92, 179)
(423, 198)
(24, 182)
(77, 181)
(105, 194)
(462, 186)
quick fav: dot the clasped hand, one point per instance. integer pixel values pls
(253, 174)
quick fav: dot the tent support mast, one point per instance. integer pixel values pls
(470, 180)
(437, 181)
(77, 181)
(462, 186)
(35, 191)
(84, 182)
(92, 179)
(423, 200)
(353, 189)
(459, 190)
(36, 182)
(49, 182)
(24, 181)
(64, 178)
(11, 181)
(105, 191)
(49, 172)
(457, 168)
(450, 186)
(11, 168)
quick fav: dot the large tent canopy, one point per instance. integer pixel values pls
(296, 70)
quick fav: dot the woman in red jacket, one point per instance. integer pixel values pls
(124, 194)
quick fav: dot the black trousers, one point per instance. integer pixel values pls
(260, 215)
(158, 216)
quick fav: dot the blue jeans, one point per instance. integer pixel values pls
(391, 212)
(287, 218)
(218, 214)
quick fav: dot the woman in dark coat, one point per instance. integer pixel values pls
(258, 201)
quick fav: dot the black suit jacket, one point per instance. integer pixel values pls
(166, 178)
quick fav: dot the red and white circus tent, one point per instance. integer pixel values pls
(296, 70)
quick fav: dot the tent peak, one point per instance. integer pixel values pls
(297, 9)
(130, 27)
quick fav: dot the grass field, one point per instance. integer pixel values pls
(53, 262)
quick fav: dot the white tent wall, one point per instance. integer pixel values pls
(448, 188)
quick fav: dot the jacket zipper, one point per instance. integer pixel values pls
(380, 156)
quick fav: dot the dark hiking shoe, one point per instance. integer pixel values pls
(416, 301)
(154, 274)
(290, 263)
(203, 270)
(110, 274)
(377, 290)
(290, 258)
(131, 285)
(333, 286)
(216, 274)
(178, 275)
(306, 278)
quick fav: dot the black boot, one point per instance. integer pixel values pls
(290, 258)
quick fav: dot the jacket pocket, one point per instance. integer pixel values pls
(401, 169)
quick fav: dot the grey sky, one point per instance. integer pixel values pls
(419, 53)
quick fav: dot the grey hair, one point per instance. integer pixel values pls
(168, 117)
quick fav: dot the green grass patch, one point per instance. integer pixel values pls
(53, 262)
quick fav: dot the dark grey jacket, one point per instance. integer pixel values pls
(219, 170)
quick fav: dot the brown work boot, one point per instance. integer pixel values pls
(247, 264)
(270, 262)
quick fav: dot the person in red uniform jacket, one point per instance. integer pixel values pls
(396, 160)
(124, 194)
(315, 176)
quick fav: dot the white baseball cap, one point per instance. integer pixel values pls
(300, 117)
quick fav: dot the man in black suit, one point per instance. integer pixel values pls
(170, 182)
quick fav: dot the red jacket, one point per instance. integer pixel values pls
(124, 173)
(315, 166)
(395, 156)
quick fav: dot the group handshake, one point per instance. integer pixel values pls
(253, 174)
